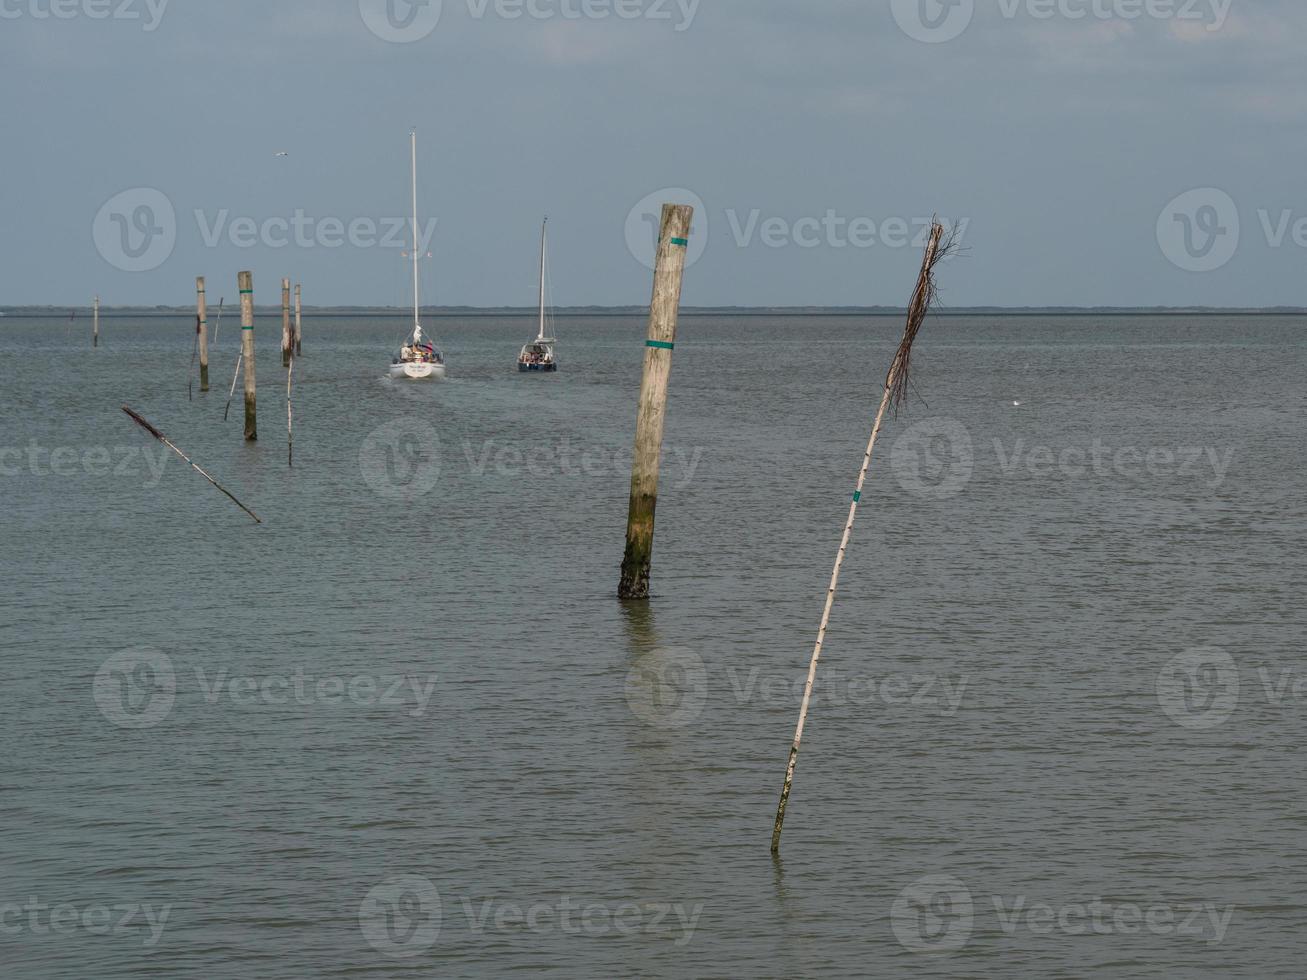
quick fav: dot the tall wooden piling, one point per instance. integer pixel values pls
(95, 324)
(299, 321)
(669, 272)
(202, 319)
(245, 281)
(287, 341)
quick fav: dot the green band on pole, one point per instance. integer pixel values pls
(683, 242)
(659, 345)
(857, 496)
(247, 328)
(247, 292)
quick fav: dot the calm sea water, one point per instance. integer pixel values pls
(403, 728)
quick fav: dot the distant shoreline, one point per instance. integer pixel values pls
(459, 312)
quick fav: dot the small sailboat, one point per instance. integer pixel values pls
(419, 359)
(539, 355)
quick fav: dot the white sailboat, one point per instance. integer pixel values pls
(539, 355)
(419, 359)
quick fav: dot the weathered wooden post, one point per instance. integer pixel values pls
(299, 322)
(245, 282)
(669, 271)
(95, 324)
(287, 344)
(202, 318)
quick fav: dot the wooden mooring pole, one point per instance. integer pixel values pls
(287, 340)
(202, 316)
(669, 272)
(245, 282)
(95, 324)
(299, 322)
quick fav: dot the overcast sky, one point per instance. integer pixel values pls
(818, 136)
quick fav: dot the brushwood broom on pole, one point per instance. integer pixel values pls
(939, 246)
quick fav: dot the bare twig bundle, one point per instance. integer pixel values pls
(940, 245)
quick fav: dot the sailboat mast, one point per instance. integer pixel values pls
(543, 229)
(417, 322)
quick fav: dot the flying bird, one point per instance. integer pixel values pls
(281, 153)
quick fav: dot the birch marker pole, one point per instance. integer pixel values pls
(896, 387)
(299, 322)
(287, 343)
(202, 314)
(95, 324)
(669, 272)
(245, 281)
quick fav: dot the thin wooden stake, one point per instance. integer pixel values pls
(95, 328)
(895, 385)
(202, 310)
(190, 372)
(669, 272)
(299, 323)
(290, 427)
(163, 439)
(245, 281)
(235, 376)
(218, 322)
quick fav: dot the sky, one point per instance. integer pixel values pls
(1093, 152)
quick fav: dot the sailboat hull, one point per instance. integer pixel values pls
(534, 368)
(418, 372)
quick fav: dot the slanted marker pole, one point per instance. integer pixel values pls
(202, 315)
(287, 341)
(245, 281)
(299, 322)
(895, 388)
(669, 272)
